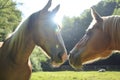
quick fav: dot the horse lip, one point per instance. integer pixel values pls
(63, 59)
(54, 64)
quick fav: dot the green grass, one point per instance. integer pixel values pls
(71, 75)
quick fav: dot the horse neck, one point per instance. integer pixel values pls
(20, 45)
(112, 27)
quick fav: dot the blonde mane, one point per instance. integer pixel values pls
(111, 26)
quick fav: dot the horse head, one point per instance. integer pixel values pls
(46, 34)
(93, 45)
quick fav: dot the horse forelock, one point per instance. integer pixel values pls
(111, 26)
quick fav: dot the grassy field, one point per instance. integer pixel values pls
(71, 75)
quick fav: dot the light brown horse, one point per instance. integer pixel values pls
(101, 38)
(38, 29)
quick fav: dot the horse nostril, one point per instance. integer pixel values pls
(59, 56)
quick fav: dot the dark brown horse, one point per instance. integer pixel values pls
(101, 38)
(38, 29)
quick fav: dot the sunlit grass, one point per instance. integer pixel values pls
(71, 75)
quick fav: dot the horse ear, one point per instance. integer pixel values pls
(47, 6)
(55, 10)
(95, 15)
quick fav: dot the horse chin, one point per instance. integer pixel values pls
(56, 65)
(76, 66)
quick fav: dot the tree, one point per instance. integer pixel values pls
(106, 7)
(36, 57)
(10, 16)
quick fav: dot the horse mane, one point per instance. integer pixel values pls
(111, 26)
(16, 39)
(1, 43)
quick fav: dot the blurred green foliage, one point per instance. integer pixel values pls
(36, 57)
(10, 16)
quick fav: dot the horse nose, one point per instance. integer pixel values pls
(59, 57)
(71, 58)
(71, 54)
(62, 57)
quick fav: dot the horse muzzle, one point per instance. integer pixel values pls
(75, 61)
(59, 60)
